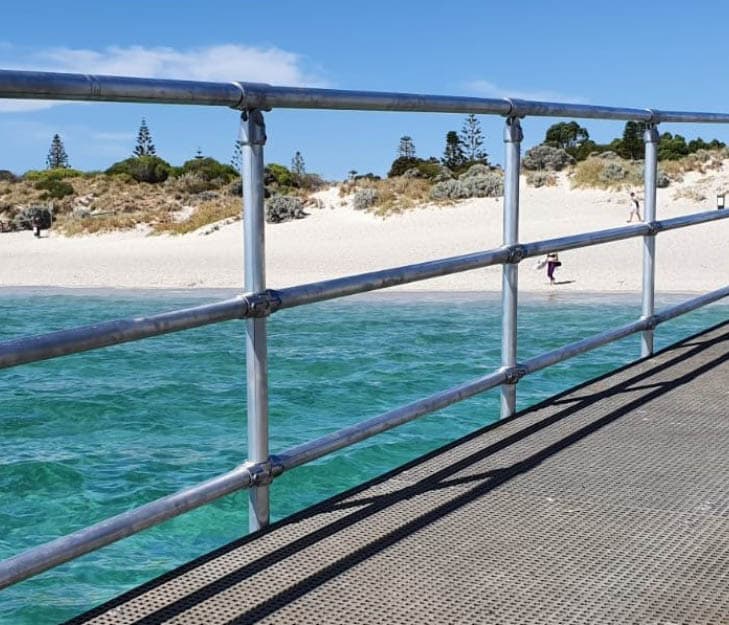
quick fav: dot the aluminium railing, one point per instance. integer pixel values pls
(258, 302)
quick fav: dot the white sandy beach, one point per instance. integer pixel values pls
(337, 241)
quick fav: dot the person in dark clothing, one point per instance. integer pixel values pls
(552, 263)
(36, 222)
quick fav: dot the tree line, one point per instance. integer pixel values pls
(464, 149)
(146, 166)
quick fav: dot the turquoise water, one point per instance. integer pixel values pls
(92, 435)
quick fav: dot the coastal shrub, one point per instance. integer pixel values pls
(54, 189)
(364, 198)
(413, 172)
(142, 168)
(444, 173)
(236, 188)
(491, 185)
(191, 183)
(284, 208)
(662, 180)
(401, 164)
(209, 170)
(607, 174)
(278, 175)
(541, 179)
(546, 157)
(613, 171)
(450, 190)
(52, 174)
(477, 169)
(7, 176)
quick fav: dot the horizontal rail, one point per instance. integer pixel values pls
(84, 338)
(245, 95)
(44, 557)
(693, 304)
(361, 283)
(324, 445)
(83, 87)
(317, 448)
(48, 555)
(364, 282)
(64, 342)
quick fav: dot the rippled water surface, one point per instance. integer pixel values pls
(92, 435)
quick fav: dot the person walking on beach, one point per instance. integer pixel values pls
(552, 263)
(634, 208)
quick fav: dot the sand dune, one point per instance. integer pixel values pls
(336, 240)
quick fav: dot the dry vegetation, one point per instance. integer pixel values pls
(393, 195)
(102, 203)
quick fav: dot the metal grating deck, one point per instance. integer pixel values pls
(607, 504)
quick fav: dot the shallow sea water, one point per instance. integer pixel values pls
(92, 435)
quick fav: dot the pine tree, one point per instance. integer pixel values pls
(631, 145)
(237, 159)
(57, 157)
(144, 147)
(297, 164)
(406, 149)
(472, 139)
(453, 156)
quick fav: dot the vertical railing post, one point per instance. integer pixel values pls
(650, 137)
(253, 138)
(510, 271)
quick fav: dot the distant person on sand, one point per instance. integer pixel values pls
(551, 262)
(36, 222)
(634, 208)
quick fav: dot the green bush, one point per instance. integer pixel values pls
(52, 174)
(7, 176)
(207, 169)
(278, 175)
(405, 165)
(54, 189)
(143, 168)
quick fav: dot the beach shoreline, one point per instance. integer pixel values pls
(336, 241)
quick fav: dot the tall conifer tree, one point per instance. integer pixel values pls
(406, 149)
(57, 157)
(453, 156)
(472, 139)
(144, 146)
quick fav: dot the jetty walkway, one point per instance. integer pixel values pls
(606, 504)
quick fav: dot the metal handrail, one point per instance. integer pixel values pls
(258, 303)
(29, 349)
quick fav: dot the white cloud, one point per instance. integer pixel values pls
(490, 90)
(219, 63)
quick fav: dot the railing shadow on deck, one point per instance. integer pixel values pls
(483, 483)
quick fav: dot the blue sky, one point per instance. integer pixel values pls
(668, 56)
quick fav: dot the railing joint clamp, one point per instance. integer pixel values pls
(651, 322)
(261, 473)
(654, 227)
(514, 374)
(515, 253)
(262, 304)
(257, 135)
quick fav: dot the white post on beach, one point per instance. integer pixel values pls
(253, 138)
(650, 137)
(510, 271)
